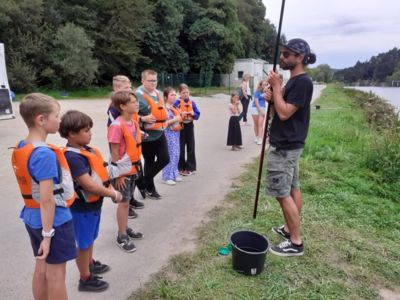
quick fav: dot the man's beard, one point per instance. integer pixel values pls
(287, 66)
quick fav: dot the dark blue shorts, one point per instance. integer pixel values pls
(62, 247)
(86, 225)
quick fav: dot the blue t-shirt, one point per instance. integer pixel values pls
(43, 165)
(261, 100)
(79, 166)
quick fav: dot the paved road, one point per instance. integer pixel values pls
(168, 224)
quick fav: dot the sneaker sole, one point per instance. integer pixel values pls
(132, 217)
(122, 245)
(136, 238)
(94, 290)
(286, 254)
(286, 238)
(136, 207)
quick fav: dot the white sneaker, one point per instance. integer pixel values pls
(259, 142)
(169, 182)
(178, 179)
(255, 140)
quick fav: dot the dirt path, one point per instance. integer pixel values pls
(168, 224)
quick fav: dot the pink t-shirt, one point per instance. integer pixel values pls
(115, 135)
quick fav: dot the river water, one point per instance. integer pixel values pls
(391, 94)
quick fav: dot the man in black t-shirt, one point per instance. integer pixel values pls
(288, 132)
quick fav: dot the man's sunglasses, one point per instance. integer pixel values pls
(286, 54)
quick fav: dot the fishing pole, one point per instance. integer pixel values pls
(266, 132)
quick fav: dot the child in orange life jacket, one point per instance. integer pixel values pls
(91, 185)
(46, 186)
(189, 113)
(124, 137)
(170, 173)
(122, 83)
(234, 133)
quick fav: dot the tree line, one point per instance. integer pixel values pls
(383, 69)
(74, 44)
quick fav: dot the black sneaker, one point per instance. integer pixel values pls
(125, 243)
(96, 267)
(281, 231)
(142, 193)
(132, 214)
(136, 204)
(153, 195)
(287, 248)
(93, 284)
(134, 234)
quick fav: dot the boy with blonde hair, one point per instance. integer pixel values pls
(91, 185)
(124, 137)
(46, 186)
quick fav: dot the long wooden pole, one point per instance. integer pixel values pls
(266, 131)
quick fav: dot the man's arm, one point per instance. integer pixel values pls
(283, 109)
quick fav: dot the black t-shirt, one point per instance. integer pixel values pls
(79, 166)
(291, 134)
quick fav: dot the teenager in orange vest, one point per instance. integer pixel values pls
(189, 112)
(153, 117)
(46, 186)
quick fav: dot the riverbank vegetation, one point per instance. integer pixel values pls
(350, 183)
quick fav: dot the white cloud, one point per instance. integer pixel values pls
(340, 31)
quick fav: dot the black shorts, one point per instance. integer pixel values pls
(62, 247)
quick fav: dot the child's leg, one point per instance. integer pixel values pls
(122, 216)
(255, 126)
(55, 277)
(83, 260)
(39, 284)
(190, 144)
(182, 142)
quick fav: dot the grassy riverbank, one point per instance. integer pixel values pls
(350, 222)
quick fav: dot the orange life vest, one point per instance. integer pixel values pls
(157, 110)
(98, 172)
(186, 107)
(63, 192)
(177, 125)
(130, 162)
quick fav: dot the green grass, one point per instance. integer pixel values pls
(104, 92)
(89, 93)
(351, 229)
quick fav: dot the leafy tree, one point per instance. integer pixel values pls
(321, 73)
(21, 32)
(73, 58)
(121, 25)
(160, 47)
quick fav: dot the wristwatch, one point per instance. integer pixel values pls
(48, 234)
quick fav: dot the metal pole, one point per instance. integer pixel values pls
(268, 115)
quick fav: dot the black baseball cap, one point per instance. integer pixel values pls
(298, 46)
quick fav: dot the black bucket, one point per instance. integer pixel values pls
(249, 250)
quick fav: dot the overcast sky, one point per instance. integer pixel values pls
(340, 32)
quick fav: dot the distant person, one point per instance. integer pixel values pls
(124, 137)
(288, 133)
(91, 186)
(153, 117)
(46, 186)
(234, 133)
(246, 97)
(170, 174)
(258, 109)
(123, 83)
(189, 111)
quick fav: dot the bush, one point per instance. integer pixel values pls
(73, 58)
(22, 77)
